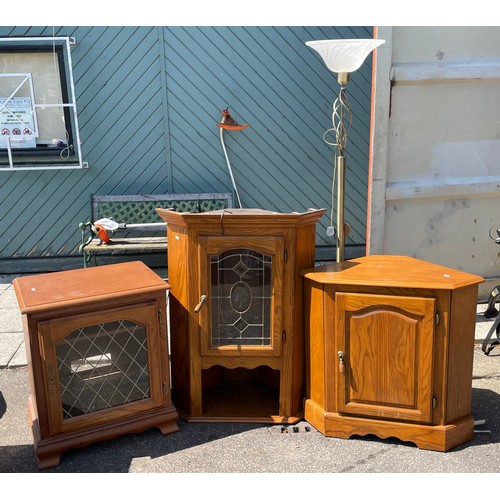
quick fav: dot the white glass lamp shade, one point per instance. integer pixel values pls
(344, 55)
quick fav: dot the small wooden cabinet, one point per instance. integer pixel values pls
(236, 313)
(389, 343)
(97, 350)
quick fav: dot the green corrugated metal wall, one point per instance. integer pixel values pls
(148, 102)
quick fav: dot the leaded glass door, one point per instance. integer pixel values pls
(100, 364)
(241, 280)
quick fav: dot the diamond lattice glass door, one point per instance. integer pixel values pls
(101, 363)
(102, 366)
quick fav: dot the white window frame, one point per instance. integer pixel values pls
(65, 43)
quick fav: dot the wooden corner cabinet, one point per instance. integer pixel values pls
(97, 351)
(389, 343)
(236, 321)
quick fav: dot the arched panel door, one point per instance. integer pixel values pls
(385, 355)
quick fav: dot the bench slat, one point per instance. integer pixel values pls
(119, 245)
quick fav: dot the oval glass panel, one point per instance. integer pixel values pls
(241, 296)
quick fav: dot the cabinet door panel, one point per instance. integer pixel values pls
(101, 366)
(242, 280)
(386, 344)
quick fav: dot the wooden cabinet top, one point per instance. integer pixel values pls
(393, 271)
(42, 292)
(240, 217)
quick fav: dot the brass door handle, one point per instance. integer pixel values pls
(203, 299)
(340, 355)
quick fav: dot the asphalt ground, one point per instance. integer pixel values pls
(277, 455)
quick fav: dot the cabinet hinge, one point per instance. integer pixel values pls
(283, 336)
(285, 256)
(437, 318)
(164, 388)
(434, 401)
(159, 315)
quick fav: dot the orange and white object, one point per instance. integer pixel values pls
(101, 228)
(101, 232)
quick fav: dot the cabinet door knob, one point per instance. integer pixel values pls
(203, 299)
(340, 355)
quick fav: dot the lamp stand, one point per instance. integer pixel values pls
(342, 57)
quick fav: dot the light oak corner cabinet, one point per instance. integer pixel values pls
(97, 350)
(389, 350)
(236, 303)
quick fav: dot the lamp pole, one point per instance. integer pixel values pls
(341, 143)
(340, 208)
(342, 57)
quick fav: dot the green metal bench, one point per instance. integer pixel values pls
(141, 230)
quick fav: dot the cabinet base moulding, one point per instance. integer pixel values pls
(426, 437)
(271, 420)
(48, 451)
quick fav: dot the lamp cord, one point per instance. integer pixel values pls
(333, 187)
(229, 166)
(341, 111)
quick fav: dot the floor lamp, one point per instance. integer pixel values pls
(342, 57)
